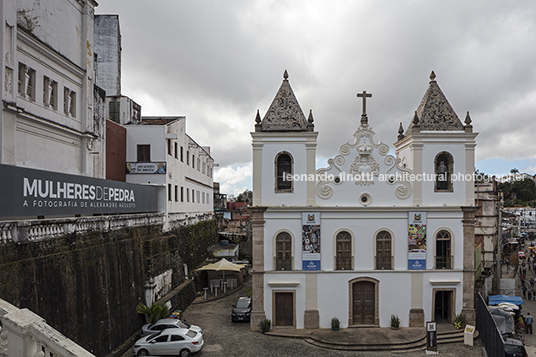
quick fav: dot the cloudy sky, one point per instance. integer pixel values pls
(217, 62)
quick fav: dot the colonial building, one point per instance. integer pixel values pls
(50, 103)
(487, 224)
(371, 235)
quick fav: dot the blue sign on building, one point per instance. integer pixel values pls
(311, 265)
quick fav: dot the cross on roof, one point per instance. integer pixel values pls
(364, 95)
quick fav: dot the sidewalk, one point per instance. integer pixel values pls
(529, 306)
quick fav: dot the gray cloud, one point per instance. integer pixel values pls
(217, 62)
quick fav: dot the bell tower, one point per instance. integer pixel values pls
(284, 153)
(440, 150)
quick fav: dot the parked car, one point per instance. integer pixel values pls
(171, 342)
(163, 324)
(242, 309)
(514, 348)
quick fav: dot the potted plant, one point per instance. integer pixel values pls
(335, 323)
(266, 324)
(395, 322)
(460, 321)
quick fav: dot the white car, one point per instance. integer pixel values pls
(163, 324)
(170, 342)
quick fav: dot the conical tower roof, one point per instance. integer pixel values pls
(435, 112)
(284, 113)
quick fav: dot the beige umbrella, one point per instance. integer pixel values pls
(222, 265)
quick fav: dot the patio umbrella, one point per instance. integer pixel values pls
(222, 265)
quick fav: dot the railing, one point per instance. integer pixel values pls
(489, 332)
(24, 333)
(35, 230)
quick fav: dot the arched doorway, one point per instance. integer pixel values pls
(364, 303)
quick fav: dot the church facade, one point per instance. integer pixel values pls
(372, 234)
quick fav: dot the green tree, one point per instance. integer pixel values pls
(153, 313)
(518, 192)
(246, 196)
(481, 177)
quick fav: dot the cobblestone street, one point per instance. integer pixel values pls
(225, 338)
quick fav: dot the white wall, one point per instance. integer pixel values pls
(395, 296)
(299, 195)
(60, 47)
(457, 197)
(196, 184)
(108, 49)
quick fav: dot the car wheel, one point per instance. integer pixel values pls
(143, 353)
(185, 353)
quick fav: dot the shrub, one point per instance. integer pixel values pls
(395, 321)
(153, 313)
(266, 325)
(335, 323)
(460, 321)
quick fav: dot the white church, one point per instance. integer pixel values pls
(371, 235)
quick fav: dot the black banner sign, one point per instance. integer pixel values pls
(30, 193)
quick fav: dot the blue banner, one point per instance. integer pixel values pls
(311, 264)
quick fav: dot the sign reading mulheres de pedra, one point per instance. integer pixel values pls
(30, 193)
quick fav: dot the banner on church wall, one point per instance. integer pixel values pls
(417, 241)
(311, 240)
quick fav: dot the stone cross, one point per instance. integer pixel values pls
(364, 95)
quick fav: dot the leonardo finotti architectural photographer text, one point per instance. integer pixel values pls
(398, 177)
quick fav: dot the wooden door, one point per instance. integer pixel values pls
(284, 309)
(363, 303)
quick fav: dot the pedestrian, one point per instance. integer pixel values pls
(529, 294)
(531, 281)
(528, 323)
(524, 288)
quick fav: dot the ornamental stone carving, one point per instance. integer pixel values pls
(364, 169)
(285, 113)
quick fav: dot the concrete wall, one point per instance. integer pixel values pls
(108, 49)
(87, 286)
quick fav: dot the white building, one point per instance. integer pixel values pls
(48, 77)
(363, 239)
(159, 152)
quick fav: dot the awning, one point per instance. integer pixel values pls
(497, 299)
(224, 265)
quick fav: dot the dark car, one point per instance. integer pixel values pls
(242, 309)
(514, 348)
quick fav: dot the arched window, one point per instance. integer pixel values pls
(283, 258)
(444, 167)
(283, 171)
(443, 258)
(344, 251)
(383, 250)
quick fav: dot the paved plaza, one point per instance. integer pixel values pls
(225, 338)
